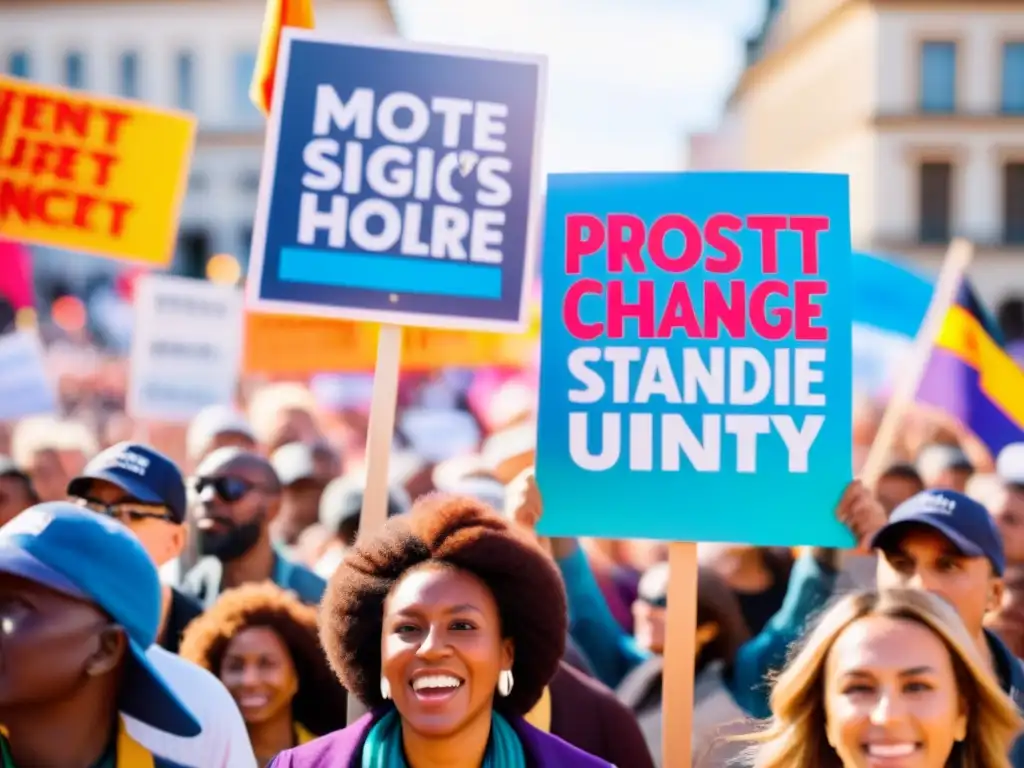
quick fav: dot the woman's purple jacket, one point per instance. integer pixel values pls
(342, 749)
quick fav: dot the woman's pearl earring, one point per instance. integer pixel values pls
(505, 682)
(385, 688)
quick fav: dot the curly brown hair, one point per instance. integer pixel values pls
(320, 704)
(468, 535)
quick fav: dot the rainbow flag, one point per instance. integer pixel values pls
(279, 14)
(973, 378)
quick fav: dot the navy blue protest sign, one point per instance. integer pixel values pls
(400, 184)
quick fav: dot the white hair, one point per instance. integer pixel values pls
(42, 433)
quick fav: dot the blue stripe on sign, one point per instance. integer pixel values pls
(389, 273)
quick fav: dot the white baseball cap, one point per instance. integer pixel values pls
(1010, 464)
(212, 421)
(437, 435)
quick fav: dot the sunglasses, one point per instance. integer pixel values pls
(658, 602)
(229, 489)
(129, 511)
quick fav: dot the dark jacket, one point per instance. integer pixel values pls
(586, 714)
(184, 608)
(1011, 679)
(716, 715)
(342, 749)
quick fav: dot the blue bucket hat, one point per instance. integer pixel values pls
(94, 558)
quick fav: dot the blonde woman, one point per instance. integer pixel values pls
(888, 679)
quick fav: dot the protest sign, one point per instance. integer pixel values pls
(298, 346)
(399, 184)
(90, 173)
(25, 386)
(695, 357)
(186, 348)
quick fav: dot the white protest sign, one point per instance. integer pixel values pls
(186, 348)
(25, 387)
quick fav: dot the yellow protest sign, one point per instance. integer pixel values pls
(299, 346)
(92, 174)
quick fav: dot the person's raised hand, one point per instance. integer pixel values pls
(861, 512)
(522, 500)
(524, 507)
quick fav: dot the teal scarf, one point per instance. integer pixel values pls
(383, 747)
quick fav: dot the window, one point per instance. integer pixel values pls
(129, 75)
(935, 197)
(1011, 318)
(245, 244)
(194, 252)
(185, 81)
(1013, 78)
(938, 77)
(198, 182)
(249, 181)
(245, 110)
(1013, 203)
(74, 70)
(18, 64)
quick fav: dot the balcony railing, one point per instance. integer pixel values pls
(913, 241)
(921, 113)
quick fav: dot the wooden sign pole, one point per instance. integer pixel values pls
(380, 433)
(954, 267)
(381, 429)
(680, 656)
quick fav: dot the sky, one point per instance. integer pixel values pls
(628, 79)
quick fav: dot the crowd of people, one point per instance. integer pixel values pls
(211, 604)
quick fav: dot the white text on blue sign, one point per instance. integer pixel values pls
(402, 176)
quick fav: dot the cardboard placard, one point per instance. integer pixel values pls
(400, 184)
(90, 173)
(186, 347)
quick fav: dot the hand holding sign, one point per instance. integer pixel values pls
(524, 506)
(522, 500)
(861, 512)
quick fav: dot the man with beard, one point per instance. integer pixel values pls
(239, 494)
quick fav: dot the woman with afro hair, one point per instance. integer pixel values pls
(261, 642)
(448, 625)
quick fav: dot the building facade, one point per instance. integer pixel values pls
(194, 55)
(921, 102)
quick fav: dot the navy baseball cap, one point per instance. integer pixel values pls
(959, 518)
(94, 558)
(145, 473)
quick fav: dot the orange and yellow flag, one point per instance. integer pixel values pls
(280, 14)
